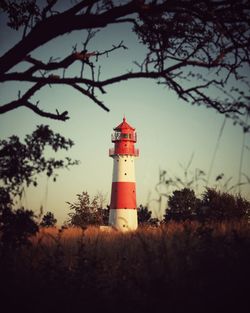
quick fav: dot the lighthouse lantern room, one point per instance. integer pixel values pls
(123, 209)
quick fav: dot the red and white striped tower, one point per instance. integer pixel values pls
(123, 210)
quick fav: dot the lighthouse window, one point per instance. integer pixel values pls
(124, 135)
(125, 173)
(125, 160)
(117, 135)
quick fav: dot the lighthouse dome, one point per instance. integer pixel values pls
(124, 126)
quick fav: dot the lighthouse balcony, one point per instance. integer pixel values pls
(112, 152)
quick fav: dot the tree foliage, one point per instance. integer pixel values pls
(221, 206)
(87, 211)
(213, 206)
(16, 226)
(21, 162)
(20, 165)
(48, 220)
(199, 49)
(6, 200)
(145, 216)
(182, 205)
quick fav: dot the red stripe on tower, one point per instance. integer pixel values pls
(123, 195)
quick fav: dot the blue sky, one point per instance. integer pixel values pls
(169, 130)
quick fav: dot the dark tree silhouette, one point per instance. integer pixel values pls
(20, 163)
(199, 49)
(221, 206)
(145, 216)
(182, 205)
(16, 226)
(5, 198)
(48, 220)
(213, 206)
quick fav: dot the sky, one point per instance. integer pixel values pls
(169, 130)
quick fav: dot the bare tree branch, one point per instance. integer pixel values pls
(55, 26)
(91, 96)
(192, 47)
(24, 101)
(48, 8)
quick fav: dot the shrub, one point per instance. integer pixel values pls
(219, 206)
(48, 220)
(16, 227)
(87, 211)
(182, 205)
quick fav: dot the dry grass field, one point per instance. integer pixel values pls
(177, 267)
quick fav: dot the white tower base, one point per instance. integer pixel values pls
(123, 219)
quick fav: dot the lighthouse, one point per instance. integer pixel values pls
(123, 210)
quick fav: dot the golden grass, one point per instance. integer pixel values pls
(51, 235)
(151, 268)
(146, 241)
